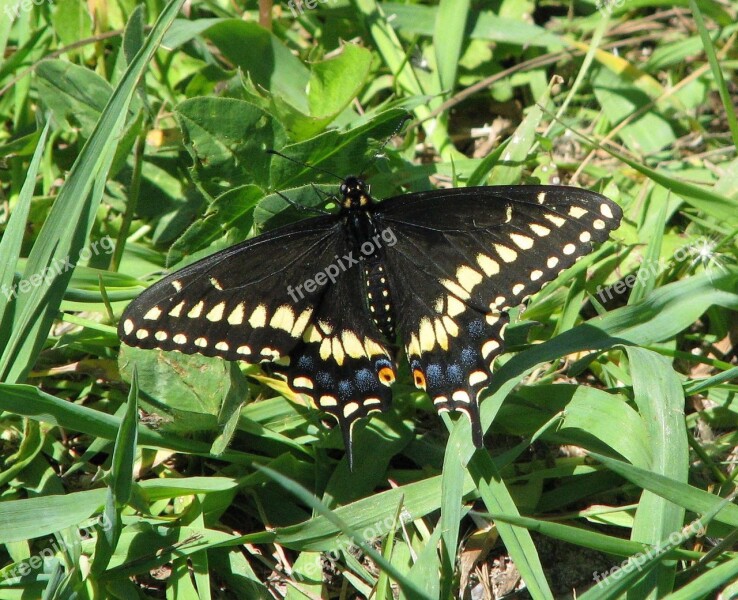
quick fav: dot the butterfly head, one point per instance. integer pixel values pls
(355, 193)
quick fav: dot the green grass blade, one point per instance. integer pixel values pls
(448, 38)
(12, 240)
(658, 393)
(717, 72)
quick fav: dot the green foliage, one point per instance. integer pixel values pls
(136, 140)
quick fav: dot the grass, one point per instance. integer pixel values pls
(136, 141)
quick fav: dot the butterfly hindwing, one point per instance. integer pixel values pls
(465, 256)
(342, 362)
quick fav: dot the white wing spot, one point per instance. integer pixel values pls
(489, 347)
(301, 322)
(539, 230)
(352, 344)
(177, 285)
(350, 409)
(507, 254)
(522, 241)
(598, 224)
(570, 249)
(508, 213)
(153, 314)
(142, 334)
(585, 236)
(552, 262)
(303, 382)
(536, 275)
(201, 342)
(284, 318)
(196, 310)
(518, 288)
(558, 221)
(128, 326)
(258, 317)
(426, 335)
(236, 316)
(541, 197)
(243, 350)
(461, 396)
(577, 212)
(180, 338)
(477, 377)
(216, 284)
(222, 346)
(328, 401)
(468, 277)
(455, 306)
(606, 211)
(216, 313)
(455, 289)
(161, 335)
(451, 327)
(177, 310)
(489, 266)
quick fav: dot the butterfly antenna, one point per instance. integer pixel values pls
(294, 204)
(303, 164)
(378, 153)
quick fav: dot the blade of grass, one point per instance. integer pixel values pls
(12, 239)
(717, 72)
(658, 393)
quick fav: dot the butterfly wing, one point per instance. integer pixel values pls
(462, 258)
(291, 299)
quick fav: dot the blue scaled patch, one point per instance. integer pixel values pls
(365, 380)
(345, 389)
(324, 379)
(468, 357)
(475, 329)
(455, 375)
(434, 376)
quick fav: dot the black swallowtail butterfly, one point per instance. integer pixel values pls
(323, 301)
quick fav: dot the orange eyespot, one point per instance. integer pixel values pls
(386, 375)
(419, 379)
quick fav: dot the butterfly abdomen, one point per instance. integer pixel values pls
(379, 297)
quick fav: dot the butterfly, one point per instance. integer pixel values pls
(327, 302)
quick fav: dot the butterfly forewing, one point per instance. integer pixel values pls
(236, 304)
(465, 256)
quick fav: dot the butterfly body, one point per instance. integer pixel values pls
(328, 301)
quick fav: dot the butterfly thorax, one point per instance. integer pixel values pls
(355, 194)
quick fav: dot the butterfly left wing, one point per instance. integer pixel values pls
(462, 258)
(252, 302)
